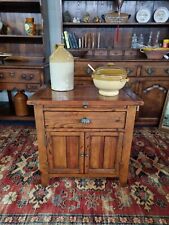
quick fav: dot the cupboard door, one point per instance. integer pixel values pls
(103, 152)
(65, 151)
(153, 94)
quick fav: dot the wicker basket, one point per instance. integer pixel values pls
(154, 53)
(114, 17)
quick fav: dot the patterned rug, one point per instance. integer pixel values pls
(83, 201)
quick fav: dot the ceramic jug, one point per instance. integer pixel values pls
(61, 64)
(20, 103)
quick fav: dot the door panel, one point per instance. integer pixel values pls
(64, 151)
(153, 94)
(103, 152)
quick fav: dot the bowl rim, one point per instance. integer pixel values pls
(154, 49)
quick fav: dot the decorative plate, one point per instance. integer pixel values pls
(143, 16)
(161, 15)
(1, 25)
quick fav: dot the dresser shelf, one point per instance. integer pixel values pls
(129, 24)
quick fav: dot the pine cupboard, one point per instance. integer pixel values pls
(83, 134)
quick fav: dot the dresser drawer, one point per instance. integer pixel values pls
(152, 70)
(20, 75)
(82, 69)
(85, 119)
(19, 86)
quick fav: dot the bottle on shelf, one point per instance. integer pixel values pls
(134, 41)
(141, 41)
(29, 26)
(157, 44)
(150, 44)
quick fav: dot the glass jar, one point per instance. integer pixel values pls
(165, 43)
(29, 26)
(61, 64)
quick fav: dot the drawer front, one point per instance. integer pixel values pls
(19, 86)
(85, 119)
(152, 70)
(20, 75)
(82, 69)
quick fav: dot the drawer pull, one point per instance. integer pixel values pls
(85, 120)
(85, 105)
(129, 71)
(149, 71)
(12, 74)
(167, 71)
(88, 71)
(27, 76)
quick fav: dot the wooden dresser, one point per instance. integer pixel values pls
(149, 79)
(83, 134)
(28, 75)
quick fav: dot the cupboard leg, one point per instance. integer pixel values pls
(123, 181)
(10, 100)
(44, 180)
(10, 97)
(123, 176)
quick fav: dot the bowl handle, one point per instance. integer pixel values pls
(126, 79)
(110, 64)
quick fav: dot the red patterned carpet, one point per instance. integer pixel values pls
(83, 201)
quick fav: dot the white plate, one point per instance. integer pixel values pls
(1, 25)
(143, 15)
(161, 15)
(4, 54)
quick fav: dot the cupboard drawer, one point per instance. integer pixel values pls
(85, 119)
(151, 70)
(20, 75)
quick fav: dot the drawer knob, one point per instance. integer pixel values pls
(149, 71)
(85, 120)
(167, 71)
(2, 76)
(27, 76)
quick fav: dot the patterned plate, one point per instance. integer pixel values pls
(161, 15)
(143, 16)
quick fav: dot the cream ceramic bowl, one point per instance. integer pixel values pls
(109, 79)
(109, 87)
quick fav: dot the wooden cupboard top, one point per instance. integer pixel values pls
(81, 95)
